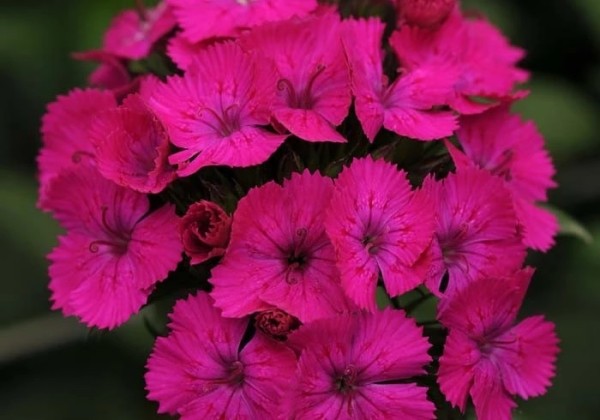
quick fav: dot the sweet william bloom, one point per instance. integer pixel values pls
(481, 59)
(279, 254)
(204, 230)
(357, 366)
(409, 105)
(132, 147)
(216, 111)
(477, 231)
(425, 13)
(512, 149)
(488, 355)
(377, 224)
(65, 133)
(313, 86)
(114, 251)
(132, 33)
(204, 369)
(204, 19)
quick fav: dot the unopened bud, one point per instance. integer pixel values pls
(425, 13)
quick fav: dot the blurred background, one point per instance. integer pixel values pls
(53, 369)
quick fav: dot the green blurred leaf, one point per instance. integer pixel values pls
(571, 227)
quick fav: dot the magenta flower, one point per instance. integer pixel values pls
(216, 110)
(204, 230)
(490, 358)
(477, 230)
(514, 150)
(132, 147)
(409, 105)
(377, 224)
(114, 252)
(133, 33)
(480, 57)
(357, 366)
(204, 19)
(312, 76)
(279, 255)
(65, 133)
(202, 371)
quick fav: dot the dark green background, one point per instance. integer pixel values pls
(52, 368)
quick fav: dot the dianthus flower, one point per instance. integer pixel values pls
(357, 366)
(313, 86)
(215, 112)
(481, 59)
(133, 33)
(65, 133)
(490, 358)
(477, 230)
(279, 254)
(206, 369)
(204, 230)
(409, 105)
(114, 251)
(512, 149)
(132, 147)
(204, 19)
(377, 224)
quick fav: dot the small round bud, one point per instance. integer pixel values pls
(425, 13)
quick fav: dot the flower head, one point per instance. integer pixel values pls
(216, 111)
(133, 33)
(462, 47)
(477, 230)
(489, 357)
(279, 254)
(313, 87)
(65, 133)
(132, 147)
(513, 150)
(114, 252)
(205, 369)
(408, 105)
(377, 224)
(204, 230)
(349, 367)
(204, 19)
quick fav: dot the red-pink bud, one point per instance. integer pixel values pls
(425, 12)
(204, 231)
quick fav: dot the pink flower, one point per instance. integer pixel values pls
(480, 57)
(133, 33)
(313, 86)
(377, 224)
(203, 19)
(216, 110)
(489, 357)
(183, 52)
(350, 366)
(204, 231)
(407, 106)
(279, 255)
(114, 252)
(65, 133)
(513, 150)
(425, 13)
(477, 231)
(205, 370)
(132, 147)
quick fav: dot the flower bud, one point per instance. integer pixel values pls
(204, 231)
(425, 12)
(276, 323)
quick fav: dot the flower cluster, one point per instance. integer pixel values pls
(314, 173)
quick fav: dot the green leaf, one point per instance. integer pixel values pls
(571, 227)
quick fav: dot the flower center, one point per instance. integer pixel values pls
(301, 99)
(346, 382)
(119, 237)
(502, 168)
(225, 123)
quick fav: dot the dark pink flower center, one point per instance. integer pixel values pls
(225, 123)
(347, 380)
(119, 237)
(301, 98)
(502, 167)
(297, 257)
